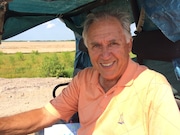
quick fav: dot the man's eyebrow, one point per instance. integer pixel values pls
(108, 42)
(113, 40)
(94, 43)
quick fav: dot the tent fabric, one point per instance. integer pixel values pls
(30, 13)
(46, 6)
(165, 14)
(22, 23)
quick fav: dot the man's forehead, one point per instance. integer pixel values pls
(105, 27)
(108, 35)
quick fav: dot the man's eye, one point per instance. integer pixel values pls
(113, 44)
(96, 46)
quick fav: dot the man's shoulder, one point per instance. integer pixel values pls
(150, 74)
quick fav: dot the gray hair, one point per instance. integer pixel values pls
(122, 17)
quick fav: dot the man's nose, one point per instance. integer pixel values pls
(105, 53)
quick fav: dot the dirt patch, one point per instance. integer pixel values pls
(22, 94)
(28, 47)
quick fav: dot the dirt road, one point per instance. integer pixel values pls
(28, 47)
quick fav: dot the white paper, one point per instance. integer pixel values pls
(62, 129)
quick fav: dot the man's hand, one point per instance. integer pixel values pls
(27, 122)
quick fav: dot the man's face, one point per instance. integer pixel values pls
(108, 48)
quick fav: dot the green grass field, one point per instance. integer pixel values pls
(36, 64)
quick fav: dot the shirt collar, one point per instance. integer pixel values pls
(131, 73)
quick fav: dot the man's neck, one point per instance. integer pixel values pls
(107, 84)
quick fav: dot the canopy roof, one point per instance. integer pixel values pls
(22, 15)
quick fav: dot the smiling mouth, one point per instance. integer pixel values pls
(107, 64)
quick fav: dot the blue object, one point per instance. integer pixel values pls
(176, 64)
(82, 59)
(165, 14)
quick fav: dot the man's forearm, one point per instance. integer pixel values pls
(25, 123)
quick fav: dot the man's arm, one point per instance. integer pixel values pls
(27, 122)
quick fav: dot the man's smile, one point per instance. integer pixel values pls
(107, 64)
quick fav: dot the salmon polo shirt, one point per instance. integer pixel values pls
(141, 103)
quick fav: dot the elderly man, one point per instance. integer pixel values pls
(115, 96)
